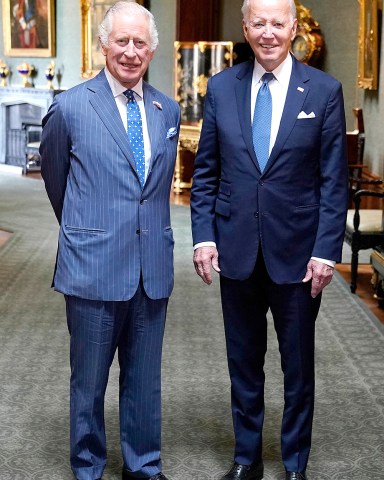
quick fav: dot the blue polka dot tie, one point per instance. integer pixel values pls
(135, 134)
(262, 118)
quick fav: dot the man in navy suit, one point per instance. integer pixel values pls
(114, 265)
(273, 229)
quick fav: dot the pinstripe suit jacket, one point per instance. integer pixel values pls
(111, 231)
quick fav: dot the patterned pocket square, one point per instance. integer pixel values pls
(171, 132)
(302, 114)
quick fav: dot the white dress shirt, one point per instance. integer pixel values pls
(121, 102)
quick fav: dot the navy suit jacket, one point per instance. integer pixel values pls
(297, 207)
(111, 231)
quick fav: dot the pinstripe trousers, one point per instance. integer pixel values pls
(135, 328)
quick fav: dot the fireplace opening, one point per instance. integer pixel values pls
(23, 129)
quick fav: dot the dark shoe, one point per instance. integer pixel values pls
(127, 476)
(296, 476)
(245, 472)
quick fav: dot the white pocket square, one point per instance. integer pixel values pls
(302, 114)
(171, 132)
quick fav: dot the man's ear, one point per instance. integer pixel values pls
(245, 30)
(294, 29)
(103, 48)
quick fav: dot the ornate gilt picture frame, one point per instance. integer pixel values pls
(29, 31)
(368, 44)
(92, 14)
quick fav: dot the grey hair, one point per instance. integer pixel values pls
(247, 4)
(132, 7)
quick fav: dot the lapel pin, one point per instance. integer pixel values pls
(301, 89)
(158, 105)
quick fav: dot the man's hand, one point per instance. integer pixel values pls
(204, 258)
(320, 273)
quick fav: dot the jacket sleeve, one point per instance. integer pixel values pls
(206, 175)
(334, 180)
(55, 156)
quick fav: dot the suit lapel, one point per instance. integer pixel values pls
(243, 99)
(155, 118)
(297, 92)
(105, 107)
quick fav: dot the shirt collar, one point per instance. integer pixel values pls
(118, 89)
(282, 73)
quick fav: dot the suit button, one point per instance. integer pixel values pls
(142, 201)
(137, 232)
(257, 215)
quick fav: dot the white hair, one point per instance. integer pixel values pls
(130, 7)
(247, 4)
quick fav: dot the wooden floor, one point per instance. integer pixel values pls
(364, 287)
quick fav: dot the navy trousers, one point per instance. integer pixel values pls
(134, 328)
(245, 306)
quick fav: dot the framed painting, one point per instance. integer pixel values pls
(368, 44)
(92, 14)
(29, 28)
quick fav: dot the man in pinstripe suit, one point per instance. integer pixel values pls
(115, 255)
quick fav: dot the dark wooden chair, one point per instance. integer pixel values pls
(377, 262)
(355, 153)
(364, 228)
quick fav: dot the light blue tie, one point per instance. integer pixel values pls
(262, 118)
(135, 134)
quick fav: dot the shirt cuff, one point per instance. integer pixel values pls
(330, 263)
(204, 244)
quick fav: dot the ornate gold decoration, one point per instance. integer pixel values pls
(202, 46)
(86, 39)
(307, 46)
(25, 70)
(201, 83)
(4, 71)
(50, 74)
(188, 140)
(368, 45)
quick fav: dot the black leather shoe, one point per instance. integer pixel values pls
(127, 476)
(296, 476)
(245, 472)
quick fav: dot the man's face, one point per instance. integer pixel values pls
(269, 29)
(127, 53)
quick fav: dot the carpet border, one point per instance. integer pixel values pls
(376, 322)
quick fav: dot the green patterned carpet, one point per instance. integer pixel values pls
(348, 441)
